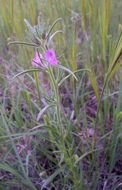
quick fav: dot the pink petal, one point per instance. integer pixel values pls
(50, 57)
(36, 61)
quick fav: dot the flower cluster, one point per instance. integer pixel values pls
(49, 57)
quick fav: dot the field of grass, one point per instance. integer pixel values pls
(60, 95)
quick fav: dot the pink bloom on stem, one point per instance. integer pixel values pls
(36, 62)
(50, 57)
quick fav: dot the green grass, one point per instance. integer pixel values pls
(60, 128)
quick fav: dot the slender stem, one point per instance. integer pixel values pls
(98, 109)
(68, 158)
(37, 86)
(55, 86)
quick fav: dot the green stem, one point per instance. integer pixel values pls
(67, 157)
(55, 87)
(98, 109)
(37, 86)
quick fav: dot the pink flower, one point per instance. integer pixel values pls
(36, 62)
(50, 57)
